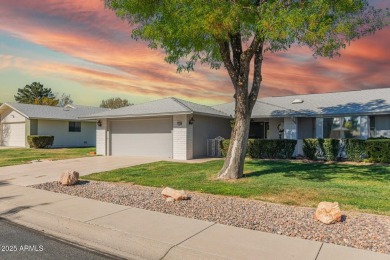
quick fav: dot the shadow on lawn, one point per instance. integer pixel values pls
(319, 172)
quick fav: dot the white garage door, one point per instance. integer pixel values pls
(13, 134)
(142, 137)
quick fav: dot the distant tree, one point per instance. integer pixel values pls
(31, 94)
(64, 100)
(46, 101)
(115, 103)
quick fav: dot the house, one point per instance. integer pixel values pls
(179, 129)
(167, 128)
(17, 121)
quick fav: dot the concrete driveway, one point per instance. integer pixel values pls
(41, 172)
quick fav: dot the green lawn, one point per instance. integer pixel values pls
(364, 188)
(22, 155)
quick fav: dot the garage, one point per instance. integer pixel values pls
(142, 137)
(13, 134)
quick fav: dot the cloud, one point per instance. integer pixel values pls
(86, 31)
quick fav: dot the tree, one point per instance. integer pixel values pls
(33, 93)
(114, 103)
(46, 101)
(64, 100)
(238, 34)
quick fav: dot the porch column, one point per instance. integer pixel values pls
(319, 127)
(364, 127)
(182, 137)
(101, 138)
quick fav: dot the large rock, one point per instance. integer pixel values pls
(175, 194)
(328, 212)
(69, 178)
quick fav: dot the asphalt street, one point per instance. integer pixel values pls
(18, 242)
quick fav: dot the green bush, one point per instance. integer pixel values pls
(378, 150)
(331, 149)
(40, 141)
(266, 149)
(225, 146)
(310, 148)
(355, 149)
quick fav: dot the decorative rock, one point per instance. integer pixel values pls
(328, 212)
(69, 178)
(175, 194)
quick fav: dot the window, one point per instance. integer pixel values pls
(74, 126)
(342, 127)
(259, 130)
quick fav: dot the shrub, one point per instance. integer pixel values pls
(355, 149)
(310, 148)
(40, 141)
(225, 146)
(378, 150)
(331, 149)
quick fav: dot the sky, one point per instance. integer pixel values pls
(82, 49)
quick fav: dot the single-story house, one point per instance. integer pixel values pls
(179, 129)
(17, 121)
(167, 128)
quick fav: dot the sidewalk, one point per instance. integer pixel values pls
(140, 234)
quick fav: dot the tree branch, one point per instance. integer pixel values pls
(224, 50)
(247, 55)
(236, 43)
(257, 75)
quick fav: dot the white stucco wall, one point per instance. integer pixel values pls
(11, 116)
(182, 138)
(290, 128)
(101, 138)
(273, 128)
(64, 138)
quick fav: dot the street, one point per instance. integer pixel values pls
(18, 242)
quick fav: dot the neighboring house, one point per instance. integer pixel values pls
(17, 121)
(178, 129)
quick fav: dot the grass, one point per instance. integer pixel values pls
(364, 188)
(16, 156)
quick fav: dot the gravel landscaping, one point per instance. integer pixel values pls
(359, 230)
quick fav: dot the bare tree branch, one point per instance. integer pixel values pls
(257, 75)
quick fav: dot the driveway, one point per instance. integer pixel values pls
(41, 172)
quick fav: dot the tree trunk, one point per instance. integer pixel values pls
(233, 167)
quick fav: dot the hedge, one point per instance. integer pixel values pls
(311, 146)
(331, 149)
(355, 149)
(266, 149)
(378, 150)
(40, 141)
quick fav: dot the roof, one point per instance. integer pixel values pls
(372, 101)
(166, 106)
(69, 112)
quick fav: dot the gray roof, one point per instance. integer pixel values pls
(373, 101)
(166, 106)
(72, 112)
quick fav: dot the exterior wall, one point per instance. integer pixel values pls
(11, 116)
(290, 128)
(10, 119)
(101, 138)
(273, 127)
(364, 127)
(206, 127)
(182, 138)
(64, 138)
(319, 127)
(382, 126)
(306, 126)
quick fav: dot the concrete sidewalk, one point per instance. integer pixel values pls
(140, 234)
